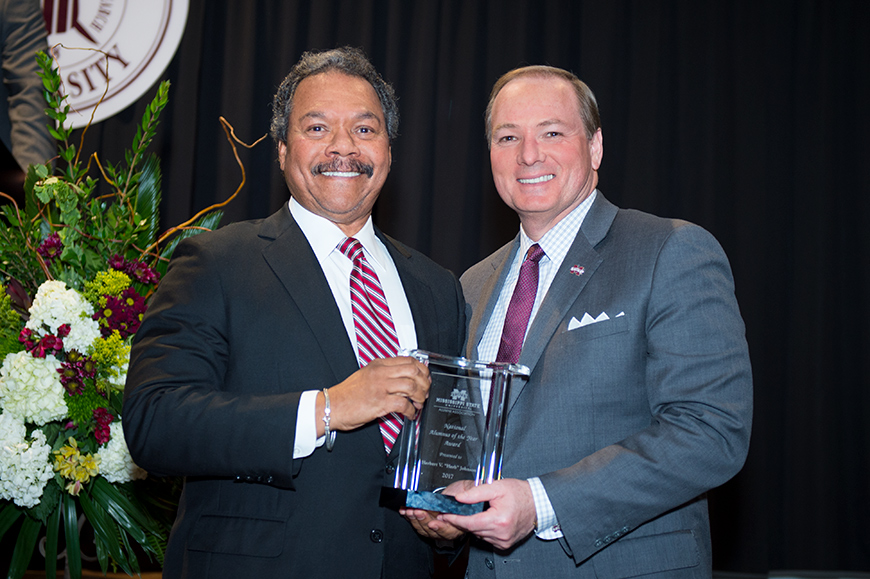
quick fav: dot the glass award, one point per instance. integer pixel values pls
(459, 434)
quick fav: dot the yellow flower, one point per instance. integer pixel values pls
(67, 451)
(111, 283)
(90, 466)
(71, 464)
(65, 468)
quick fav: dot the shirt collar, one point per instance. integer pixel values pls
(558, 240)
(324, 236)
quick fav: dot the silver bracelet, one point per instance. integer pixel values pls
(329, 434)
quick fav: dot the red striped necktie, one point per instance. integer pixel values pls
(375, 334)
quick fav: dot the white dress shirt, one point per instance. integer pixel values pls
(324, 238)
(555, 243)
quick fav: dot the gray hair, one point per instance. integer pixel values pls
(585, 99)
(346, 60)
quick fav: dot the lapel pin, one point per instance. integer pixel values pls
(577, 269)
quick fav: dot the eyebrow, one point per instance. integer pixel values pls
(545, 123)
(366, 115)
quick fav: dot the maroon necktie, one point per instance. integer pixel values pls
(375, 334)
(520, 308)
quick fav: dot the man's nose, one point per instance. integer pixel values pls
(343, 143)
(530, 152)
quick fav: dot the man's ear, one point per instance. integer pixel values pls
(596, 149)
(282, 153)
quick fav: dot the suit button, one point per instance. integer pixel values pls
(377, 536)
(489, 564)
(390, 469)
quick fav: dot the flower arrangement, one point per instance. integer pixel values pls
(89, 254)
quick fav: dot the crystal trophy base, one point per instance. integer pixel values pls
(459, 435)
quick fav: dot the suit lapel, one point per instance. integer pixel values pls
(566, 286)
(420, 300)
(294, 263)
(500, 264)
(417, 292)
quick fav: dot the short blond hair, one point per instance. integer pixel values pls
(585, 98)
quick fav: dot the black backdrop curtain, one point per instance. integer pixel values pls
(749, 118)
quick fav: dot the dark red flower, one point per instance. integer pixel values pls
(74, 371)
(26, 338)
(122, 313)
(142, 273)
(102, 431)
(118, 262)
(40, 348)
(51, 248)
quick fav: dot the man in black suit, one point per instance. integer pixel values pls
(247, 361)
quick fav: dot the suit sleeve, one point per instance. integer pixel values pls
(24, 34)
(699, 391)
(183, 414)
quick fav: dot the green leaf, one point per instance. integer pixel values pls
(27, 537)
(148, 200)
(102, 556)
(71, 532)
(8, 515)
(134, 562)
(105, 530)
(123, 510)
(207, 221)
(52, 529)
(47, 503)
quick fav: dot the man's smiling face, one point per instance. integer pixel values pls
(542, 163)
(337, 155)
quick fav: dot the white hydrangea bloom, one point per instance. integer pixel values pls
(54, 306)
(25, 467)
(30, 388)
(116, 464)
(12, 429)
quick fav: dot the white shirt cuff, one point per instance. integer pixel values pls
(548, 527)
(306, 426)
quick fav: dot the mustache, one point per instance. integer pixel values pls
(344, 166)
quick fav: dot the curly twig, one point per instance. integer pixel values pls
(232, 139)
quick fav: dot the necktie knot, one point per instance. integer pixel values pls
(352, 248)
(535, 253)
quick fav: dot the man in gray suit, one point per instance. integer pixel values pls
(24, 137)
(640, 394)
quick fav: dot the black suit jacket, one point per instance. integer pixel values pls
(243, 322)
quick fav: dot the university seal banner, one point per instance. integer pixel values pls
(125, 44)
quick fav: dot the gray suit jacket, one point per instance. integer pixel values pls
(242, 324)
(22, 120)
(628, 421)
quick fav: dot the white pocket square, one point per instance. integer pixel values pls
(587, 319)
